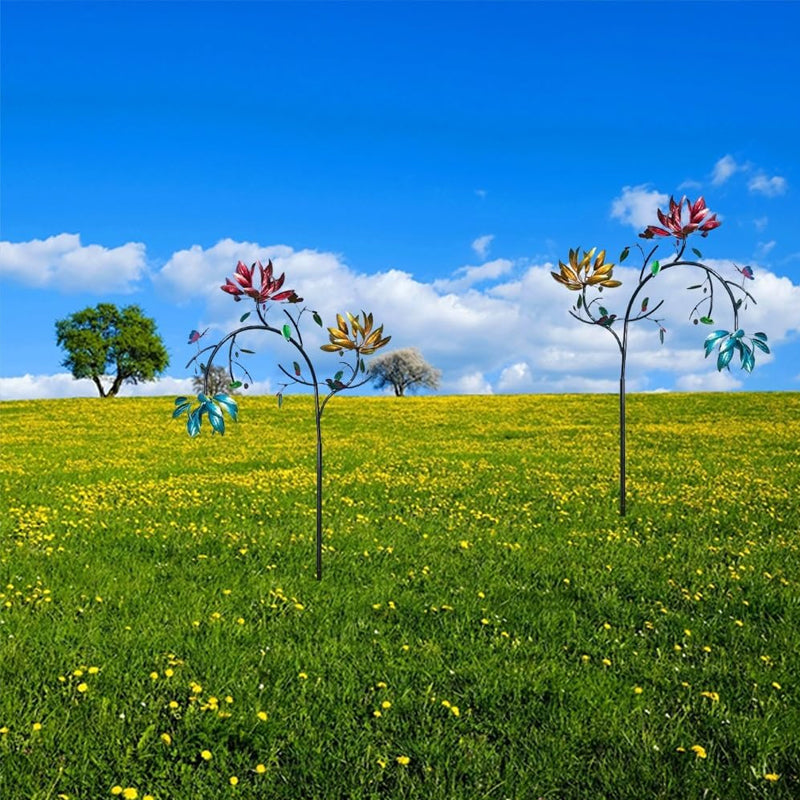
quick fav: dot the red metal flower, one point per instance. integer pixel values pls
(269, 289)
(673, 224)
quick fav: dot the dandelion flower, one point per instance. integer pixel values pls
(380, 685)
(376, 713)
(115, 790)
(637, 690)
(454, 710)
(233, 780)
(260, 769)
(382, 763)
(302, 676)
(713, 696)
(3, 730)
(775, 685)
(262, 715)
(166, 738)
(169, 672)
(386, 704)
(148, 797)
(403, 761)
(606, 662)
(206, 755)
(37, 726)
(699, 751)
(154, 676)
(772, 776)
(83, 687)
(130, 793)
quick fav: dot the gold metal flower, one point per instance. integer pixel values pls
(580, 273)
(363, 340)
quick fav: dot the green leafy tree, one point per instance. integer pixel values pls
(106, 340)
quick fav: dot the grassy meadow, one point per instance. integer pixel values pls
(486, 627)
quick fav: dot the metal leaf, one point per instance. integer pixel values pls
(287, 332)
(194, 421)
(644, 304)
(179, 401)
(228, 404)
(180, 410)
(697, 252)
(760, 335)
(760, 345)
(724, 358)
(317, 318)
(655, 267)
(624, 254)
(244, 316)
(728, 345)
(296, 368)
(706, 320)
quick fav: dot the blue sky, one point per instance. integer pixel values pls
(429, 161)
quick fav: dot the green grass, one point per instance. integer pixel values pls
(474, 561)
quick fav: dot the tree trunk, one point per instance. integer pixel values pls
(99, 385)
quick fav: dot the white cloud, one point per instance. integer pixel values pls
(769, 187)
(513, 336)
(469, 276)
(763, 249)
(473, 383)
(761, 223)
(637, 206)
(707, 382)
(481, 193)
(63, 385)
(62, 263)
(515, 378)
(481, 244)
(724, 168)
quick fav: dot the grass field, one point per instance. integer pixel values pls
(487, 626)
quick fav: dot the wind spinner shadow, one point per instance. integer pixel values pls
(355, 335)
(583, 272)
